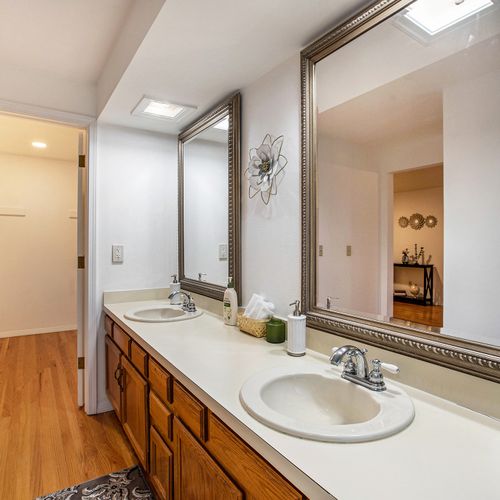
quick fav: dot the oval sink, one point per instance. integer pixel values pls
(160, 314)
(318, 404)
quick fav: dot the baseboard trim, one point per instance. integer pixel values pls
(37, 331)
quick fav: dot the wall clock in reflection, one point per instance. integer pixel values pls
(266, 168)
(431, 221)
(403, 221)
(417, 221)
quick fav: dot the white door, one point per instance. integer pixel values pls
(81, 244)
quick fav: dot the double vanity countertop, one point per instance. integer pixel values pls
(448, 452)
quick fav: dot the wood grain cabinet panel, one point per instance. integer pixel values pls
(196, 475)
(160, 417)
(134, 409)
(189, 410)
(113, 376)
(254, 475)
(160, 380)
(139, 358)
(108, 326)
(122, 340)
(160, 466)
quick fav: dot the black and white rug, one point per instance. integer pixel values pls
(127, 484)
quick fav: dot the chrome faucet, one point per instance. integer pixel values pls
(188, 304)
(356, 367)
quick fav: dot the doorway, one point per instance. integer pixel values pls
(42, 228)
(418, 245)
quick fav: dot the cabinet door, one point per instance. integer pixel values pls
(113, 376)
(197, 475)
(160, 465)
(134, 409)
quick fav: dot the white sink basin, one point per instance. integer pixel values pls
(318, 404)
(160, 314)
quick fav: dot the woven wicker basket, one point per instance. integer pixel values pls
(255, 327)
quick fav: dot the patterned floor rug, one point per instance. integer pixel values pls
(127, 484)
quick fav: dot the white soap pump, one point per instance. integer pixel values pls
(175, 286)
(296, 345)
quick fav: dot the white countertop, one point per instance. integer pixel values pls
(448, 452)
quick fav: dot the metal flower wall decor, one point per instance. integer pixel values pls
(266, 168)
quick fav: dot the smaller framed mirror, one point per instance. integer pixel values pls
(209, 201)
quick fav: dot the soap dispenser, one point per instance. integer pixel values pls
(296, 345)
(230, 304)
(175, 286)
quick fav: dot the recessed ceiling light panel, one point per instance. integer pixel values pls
(39, 145)
(434, 16)
(161, 110)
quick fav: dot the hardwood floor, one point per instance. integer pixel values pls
(425, 315)
(46, 441)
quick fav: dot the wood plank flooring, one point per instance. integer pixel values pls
(46, 441)
(416, 313)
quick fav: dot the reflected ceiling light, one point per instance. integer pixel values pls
(162, 110)
(223, 124)
(39, 145)
(434, 16)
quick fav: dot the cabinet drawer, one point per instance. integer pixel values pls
(160, 381)
(189, 410)
(160, 417)
(122, 340)
(139, 358)
(108, 326)
(254, 475)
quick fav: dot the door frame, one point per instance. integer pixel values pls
(91, 303)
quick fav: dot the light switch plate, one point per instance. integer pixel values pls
(117, 254)
(223, 251)
(348, 250)
(320, 251)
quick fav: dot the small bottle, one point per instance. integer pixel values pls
(296, 345)
(230, 304)
(175, 286)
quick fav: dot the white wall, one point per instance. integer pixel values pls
(38, 251)
(348, 214)
(39, 88)
(205, 209)
(271, 234)
(136, 207)
(471, 208)
(427, 202)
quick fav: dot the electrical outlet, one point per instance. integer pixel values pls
(223, 251)
(117, 254)
(320, 250)
(348, 250)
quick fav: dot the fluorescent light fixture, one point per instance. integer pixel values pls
(223, 124)
(434, 16)
(162, 110)
(39, 145)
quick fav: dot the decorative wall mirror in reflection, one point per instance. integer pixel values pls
(209, 201)
(401, 175)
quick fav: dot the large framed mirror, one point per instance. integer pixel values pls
(400, 178)
(209, 201)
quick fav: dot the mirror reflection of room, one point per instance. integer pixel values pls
(408, 121)
(418, 245)
(205, 204)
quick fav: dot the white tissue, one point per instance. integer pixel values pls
(259, 308)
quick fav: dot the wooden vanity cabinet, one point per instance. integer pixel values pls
(197, 475)
(135, 409)
(113, 376)
(188, 453)
(161, 465)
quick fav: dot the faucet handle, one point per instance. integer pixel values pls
(389, 367)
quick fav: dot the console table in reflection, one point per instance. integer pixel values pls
(428, 292)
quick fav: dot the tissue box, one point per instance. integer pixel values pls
(255, 327)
